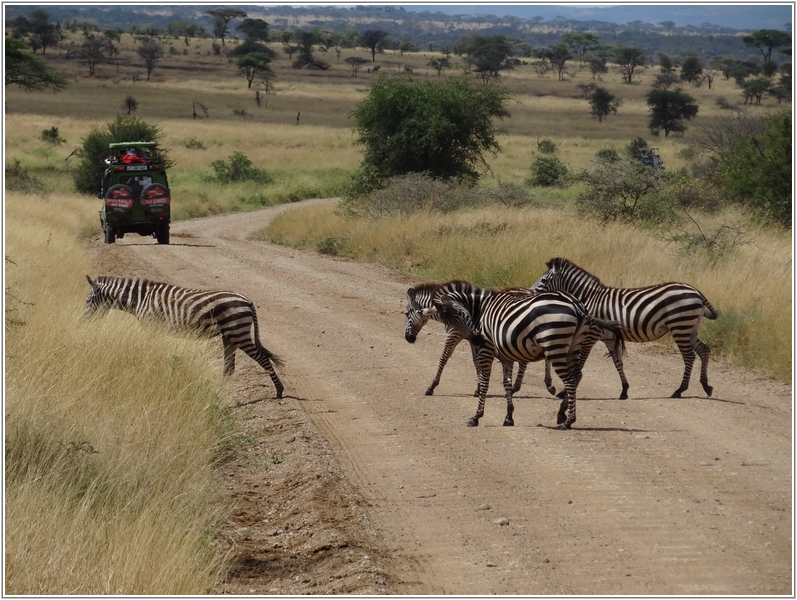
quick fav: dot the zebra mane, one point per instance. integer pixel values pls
(564, 264)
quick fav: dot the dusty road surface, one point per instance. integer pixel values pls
(357, 483)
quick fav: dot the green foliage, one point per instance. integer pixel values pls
(19, 179)
(602, 103)
(94, 149)
(253, 64)
(239, 168)
(607, 155)
(547, 171)
(546, 146)
(758, 170)
(691, 69)
(415, 192)
(669, 109)
(28, 71)
(52, 136)
(626, 190)
(194, 144)
(442, 129)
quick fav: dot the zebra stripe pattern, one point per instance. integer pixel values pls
(419, 303)
(228, 314)
(646, 313)
(517, 326)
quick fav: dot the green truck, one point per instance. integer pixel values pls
(135, 193)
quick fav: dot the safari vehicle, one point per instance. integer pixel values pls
(135, 193)
(650, 157)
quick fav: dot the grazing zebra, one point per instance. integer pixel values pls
(228, 314)
(646, 313)
(419, 300)
(515, 326)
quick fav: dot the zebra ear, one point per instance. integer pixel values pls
(411, 293)
(91, 281)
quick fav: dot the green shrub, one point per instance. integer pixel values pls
(632, 149)
(94, 149)
(547, 171)
(607, 155)
(239, 168)
(546, 146)
(51, 136)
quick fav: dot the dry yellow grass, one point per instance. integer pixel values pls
(500, 247)
(112, 429)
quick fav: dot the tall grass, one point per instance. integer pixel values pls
(500, 246)
(112, 430)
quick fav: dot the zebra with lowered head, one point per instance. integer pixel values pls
(646, 313)
(229, 314)
(419, 301)
(516, 326)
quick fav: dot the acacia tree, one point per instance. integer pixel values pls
(356, 62)
(255, 30)
(439, 128)
(44, 33)
(602, 103)
(253, 64)
(29, 72)
(691, 70)
(558, 56)
(628, 60)
(371, 39)
(221, 20)
(581, 43)
(669, 109)
(766, 40)
(151, 51)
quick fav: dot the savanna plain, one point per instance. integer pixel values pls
(133, 467)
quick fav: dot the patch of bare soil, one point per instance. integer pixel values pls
(357, 483)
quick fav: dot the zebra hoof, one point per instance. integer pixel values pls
(562, 395)
(623, 396)
(473, 422)
(563, 426)
(429, 392)
(676, 394)
(708, 389)
(552, 390)
(561, 418)
(509, 422)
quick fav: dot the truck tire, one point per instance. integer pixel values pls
(162, 234)
(110, 236)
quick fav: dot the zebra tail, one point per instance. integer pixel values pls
(709, 311)
(276, 360)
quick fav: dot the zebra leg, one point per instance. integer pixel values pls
(261, 358)
(451, 342)
(703, 352)
(689, 360)
(567, 409)
(521, 371)
(618, 364)
(548, 381)
(510, 407)
(484, 366)
(229, 357)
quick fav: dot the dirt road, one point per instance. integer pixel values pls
(357, 483)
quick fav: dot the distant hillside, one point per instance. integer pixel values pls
(749, 17)
(652, 28)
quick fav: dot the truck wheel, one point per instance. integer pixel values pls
(162, 235)
(110, 236)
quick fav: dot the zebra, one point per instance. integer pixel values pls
(516, 326)
(419, 300)
(647, 313)
(224, 313)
